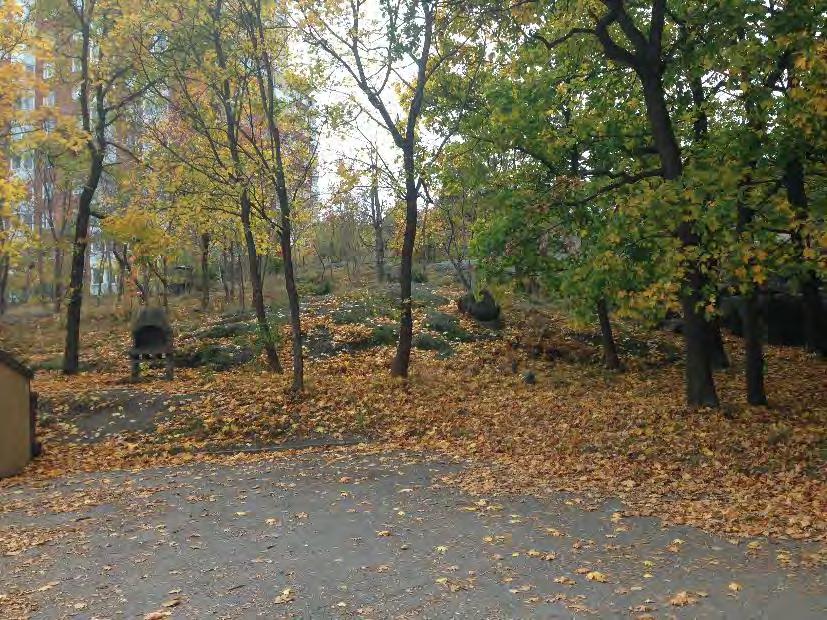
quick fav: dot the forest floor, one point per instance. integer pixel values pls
(752, 476)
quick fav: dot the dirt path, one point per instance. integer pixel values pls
(365, 536)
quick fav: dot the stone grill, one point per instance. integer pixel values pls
(151, 339)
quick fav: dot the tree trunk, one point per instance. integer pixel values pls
(57, 274)
(402, 360)
(255, 283)
(225, 275)
(292, 297)
(164, 281)
(700, 385)
(718, 359)
(378, 233)
(71, 353)
(754, 349)
(610, 358)
(231, 271)
(811, 283)
(242, 294)
(379, 252)
(205, 270)
(4, 281)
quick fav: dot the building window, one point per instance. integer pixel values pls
(49, 100)
(26, 103)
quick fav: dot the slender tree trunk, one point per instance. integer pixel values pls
(399, 367)
(4, 281)
(610, 358)
(754, 348)
(255, 284)
(379, 252)
(700, 385)
(205, 270)
(285, 236)
(242, 294)
(110, 268)
(57, 289)
(71, 353)
(225, 275)
(164, 281)
(292, 300)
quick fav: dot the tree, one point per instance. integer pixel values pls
(95, 33)
(407, 31)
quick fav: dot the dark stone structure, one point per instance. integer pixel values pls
(484, 309)
(151, 338)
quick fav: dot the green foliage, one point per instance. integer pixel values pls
(383, 335)
(446, 324)
(428, 342)
(418, 274)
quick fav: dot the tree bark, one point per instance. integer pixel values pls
(57, 274)
(718, 359)
(611, 360)
(754, 348)
(205, 270)
(255, 284)
(810, 283)
(700, 384)
(4, 281)
(378, 232)
(402, 360)
(71, 353)
(292, 301)
(242, 294)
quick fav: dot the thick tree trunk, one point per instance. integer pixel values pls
(814, 314)
(205, 270)
(810, 283)
(402, 360)
(700, 385)
(610, 358)
(255, 284)
(754, 349)
(718, 359)
(71, 352)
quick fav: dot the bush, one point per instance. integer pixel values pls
(427, 342)
(384, 335)
(418, 274)
(323, 287)
(228, 330)
(446, 324)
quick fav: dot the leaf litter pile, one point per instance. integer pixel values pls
(740, 471)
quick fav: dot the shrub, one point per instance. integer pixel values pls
(323, 287)
(428, 342)
(384, 335)
(418, 274)
(446, 324)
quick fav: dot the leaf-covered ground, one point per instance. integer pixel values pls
(741, 471)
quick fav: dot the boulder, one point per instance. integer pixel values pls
(483, 309)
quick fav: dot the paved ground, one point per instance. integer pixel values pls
(365, 536)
